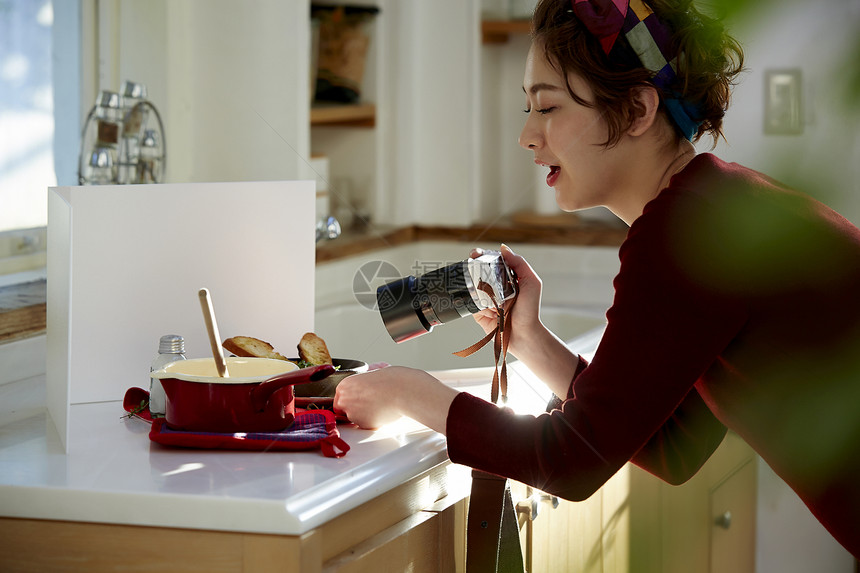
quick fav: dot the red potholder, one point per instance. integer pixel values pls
(310, 430)
(321, 403)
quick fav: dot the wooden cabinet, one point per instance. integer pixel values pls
(694, 534)
(427, 541)
(637, 522)
(564, 537)
(732, 535)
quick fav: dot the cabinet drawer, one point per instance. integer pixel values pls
(427, 541)
(733, 507)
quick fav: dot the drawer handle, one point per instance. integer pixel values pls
(550, 498)
(529, 506)
(724, 520)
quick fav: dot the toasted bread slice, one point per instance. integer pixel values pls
(312, 349)
(251, 347)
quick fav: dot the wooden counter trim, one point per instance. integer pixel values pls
(42, 545)
(591, 235)
(22, 310)
(23, 322)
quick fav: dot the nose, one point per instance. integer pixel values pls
(530, 136)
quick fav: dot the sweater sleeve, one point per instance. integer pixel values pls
(679, 448)
(635, 400)
(682, 445)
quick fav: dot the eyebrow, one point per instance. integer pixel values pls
(542, 87)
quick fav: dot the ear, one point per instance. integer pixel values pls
(644, 106)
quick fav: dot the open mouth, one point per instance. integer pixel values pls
(552, 176)
(554, 171)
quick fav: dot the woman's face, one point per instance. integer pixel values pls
(565, 136)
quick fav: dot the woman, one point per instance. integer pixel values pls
(737, 303)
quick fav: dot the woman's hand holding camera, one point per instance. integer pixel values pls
(530, 341)
(525, 318)
(376, 398)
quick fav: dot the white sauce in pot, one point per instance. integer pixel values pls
(240, 370)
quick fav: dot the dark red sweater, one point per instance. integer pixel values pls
(737, 305)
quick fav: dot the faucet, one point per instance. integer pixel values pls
(327, 228)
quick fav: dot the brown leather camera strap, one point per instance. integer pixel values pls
(492, 530)
(500, 337)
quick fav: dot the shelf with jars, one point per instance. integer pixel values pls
(343, 112)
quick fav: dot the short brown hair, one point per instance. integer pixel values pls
(708, 64)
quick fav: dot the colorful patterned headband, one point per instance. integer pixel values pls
(650, 39)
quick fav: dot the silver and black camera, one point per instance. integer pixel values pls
(413, 305)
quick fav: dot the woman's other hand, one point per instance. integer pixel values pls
(373, 399)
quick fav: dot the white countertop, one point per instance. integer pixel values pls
(113, 473)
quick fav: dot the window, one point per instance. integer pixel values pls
(40, 56)
(26, 113)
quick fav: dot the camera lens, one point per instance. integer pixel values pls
(412, 306)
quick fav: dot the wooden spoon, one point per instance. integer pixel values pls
(212, 329)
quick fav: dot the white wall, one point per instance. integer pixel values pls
(508, 170)
(818, 38)
(434, 146)
(788, 537)
(230, 80)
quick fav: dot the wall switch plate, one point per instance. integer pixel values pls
(783, 107)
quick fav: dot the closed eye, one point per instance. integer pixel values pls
(542, 111)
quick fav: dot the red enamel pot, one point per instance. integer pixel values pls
(257, 396)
